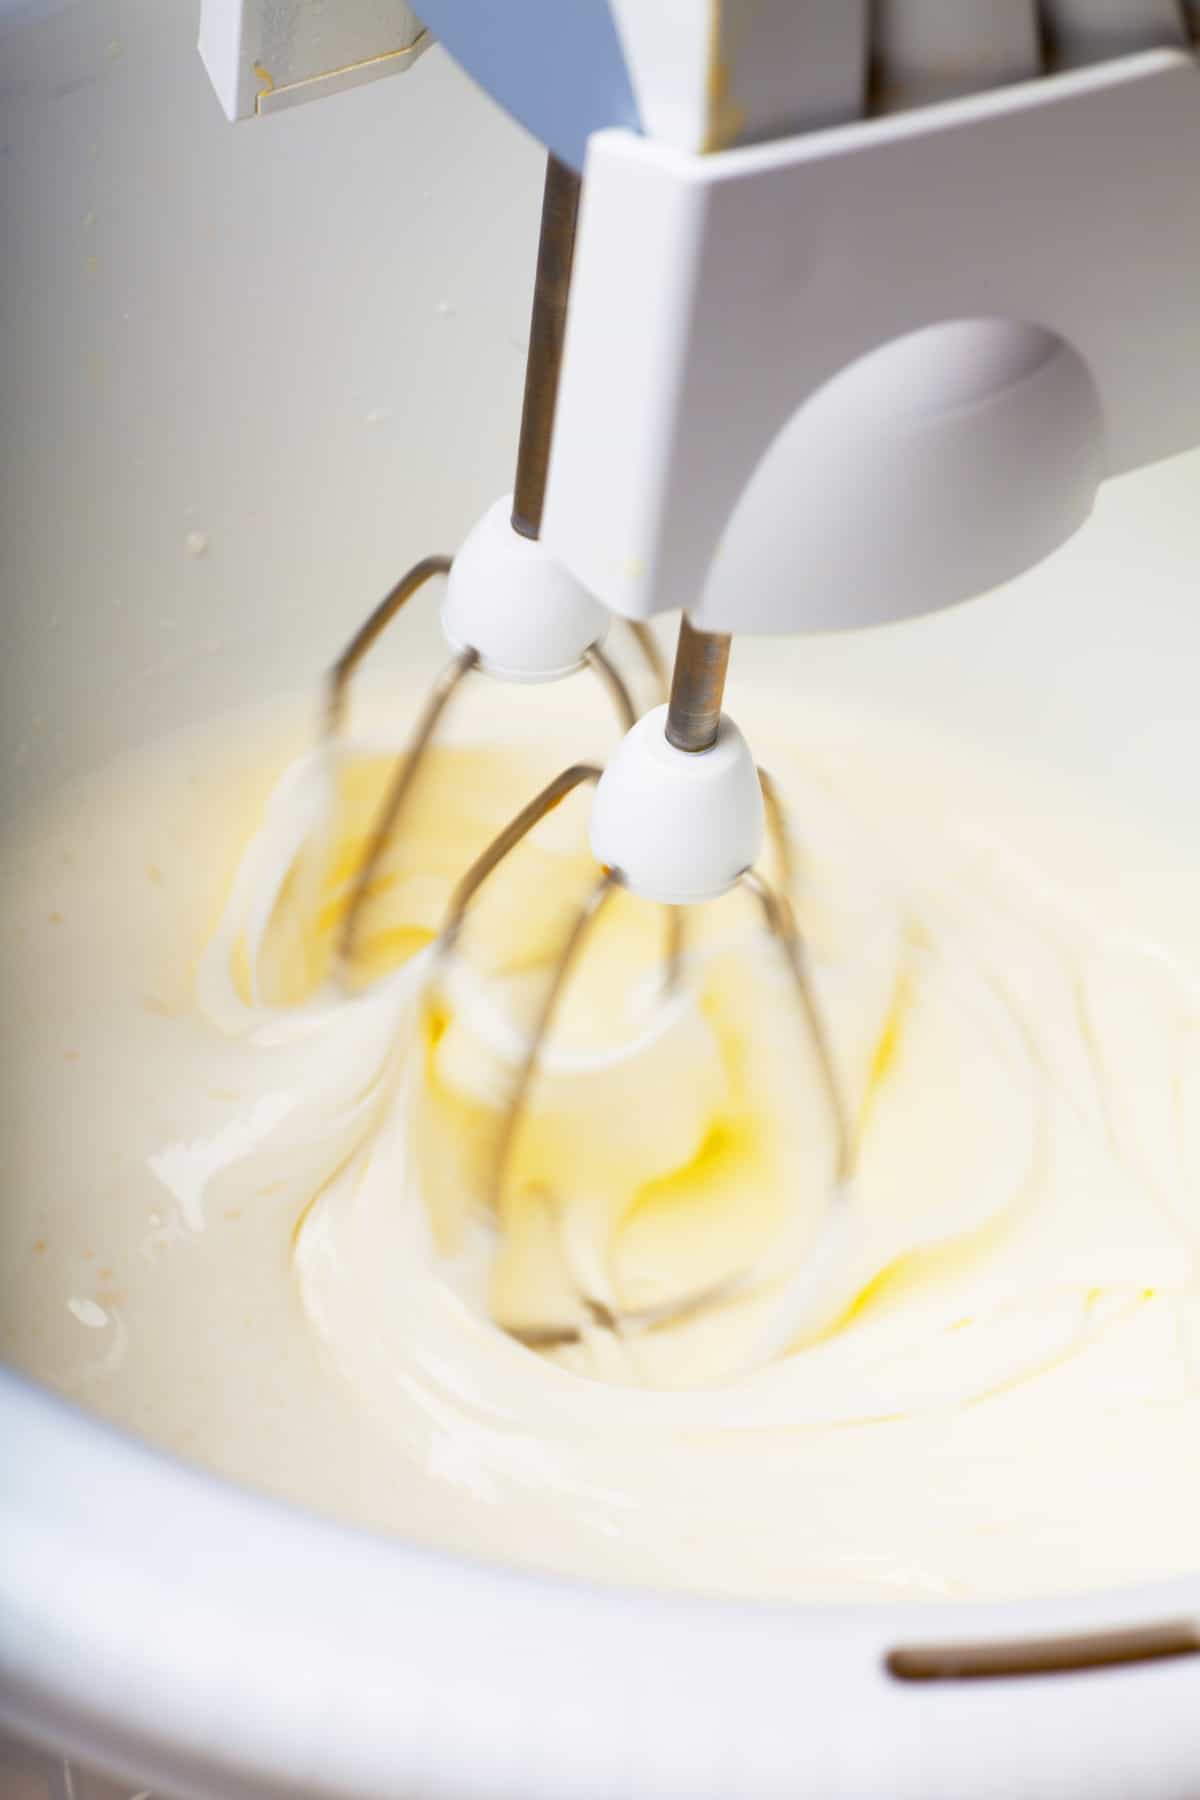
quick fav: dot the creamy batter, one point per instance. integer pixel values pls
(247, 1213)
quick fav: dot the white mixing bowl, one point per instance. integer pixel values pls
(249, 374)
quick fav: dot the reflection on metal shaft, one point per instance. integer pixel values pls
(556, 247)
(697, 688)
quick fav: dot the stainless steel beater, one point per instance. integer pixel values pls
(578, 619)
(693, 721)
(692, 725)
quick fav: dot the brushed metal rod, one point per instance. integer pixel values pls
(697, 687)
(547, 327)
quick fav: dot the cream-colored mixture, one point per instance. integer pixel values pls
(247, 1214)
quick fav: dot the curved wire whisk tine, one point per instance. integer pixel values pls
(501, 846)
(386, 823)
(582, 923)
(518, 827)
(484, 866)
(384, 827)
(371, 629)
(618, 692)
(781, 925)
(676, 945)
(778, 832)
(652, 656)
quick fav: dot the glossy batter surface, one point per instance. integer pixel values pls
(248, 1215)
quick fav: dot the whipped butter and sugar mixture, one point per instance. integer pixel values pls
(249, 1214)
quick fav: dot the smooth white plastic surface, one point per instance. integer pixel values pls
(206, 1642)
(678, 826)
(1079, 31)
(924, 50)
(264, 55)
(508, 598)
(931, 469)
(714, 298)
(708, 76)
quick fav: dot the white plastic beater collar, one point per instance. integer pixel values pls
(512, 602)
(678, 826)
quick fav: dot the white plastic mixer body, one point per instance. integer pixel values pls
(864, 367)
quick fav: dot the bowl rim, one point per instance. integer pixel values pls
(163, 1624)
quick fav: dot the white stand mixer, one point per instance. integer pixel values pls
(821, 369)
(861, 369)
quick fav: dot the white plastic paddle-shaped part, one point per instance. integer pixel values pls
(517, 606)
(678, 826)
(848, 376)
